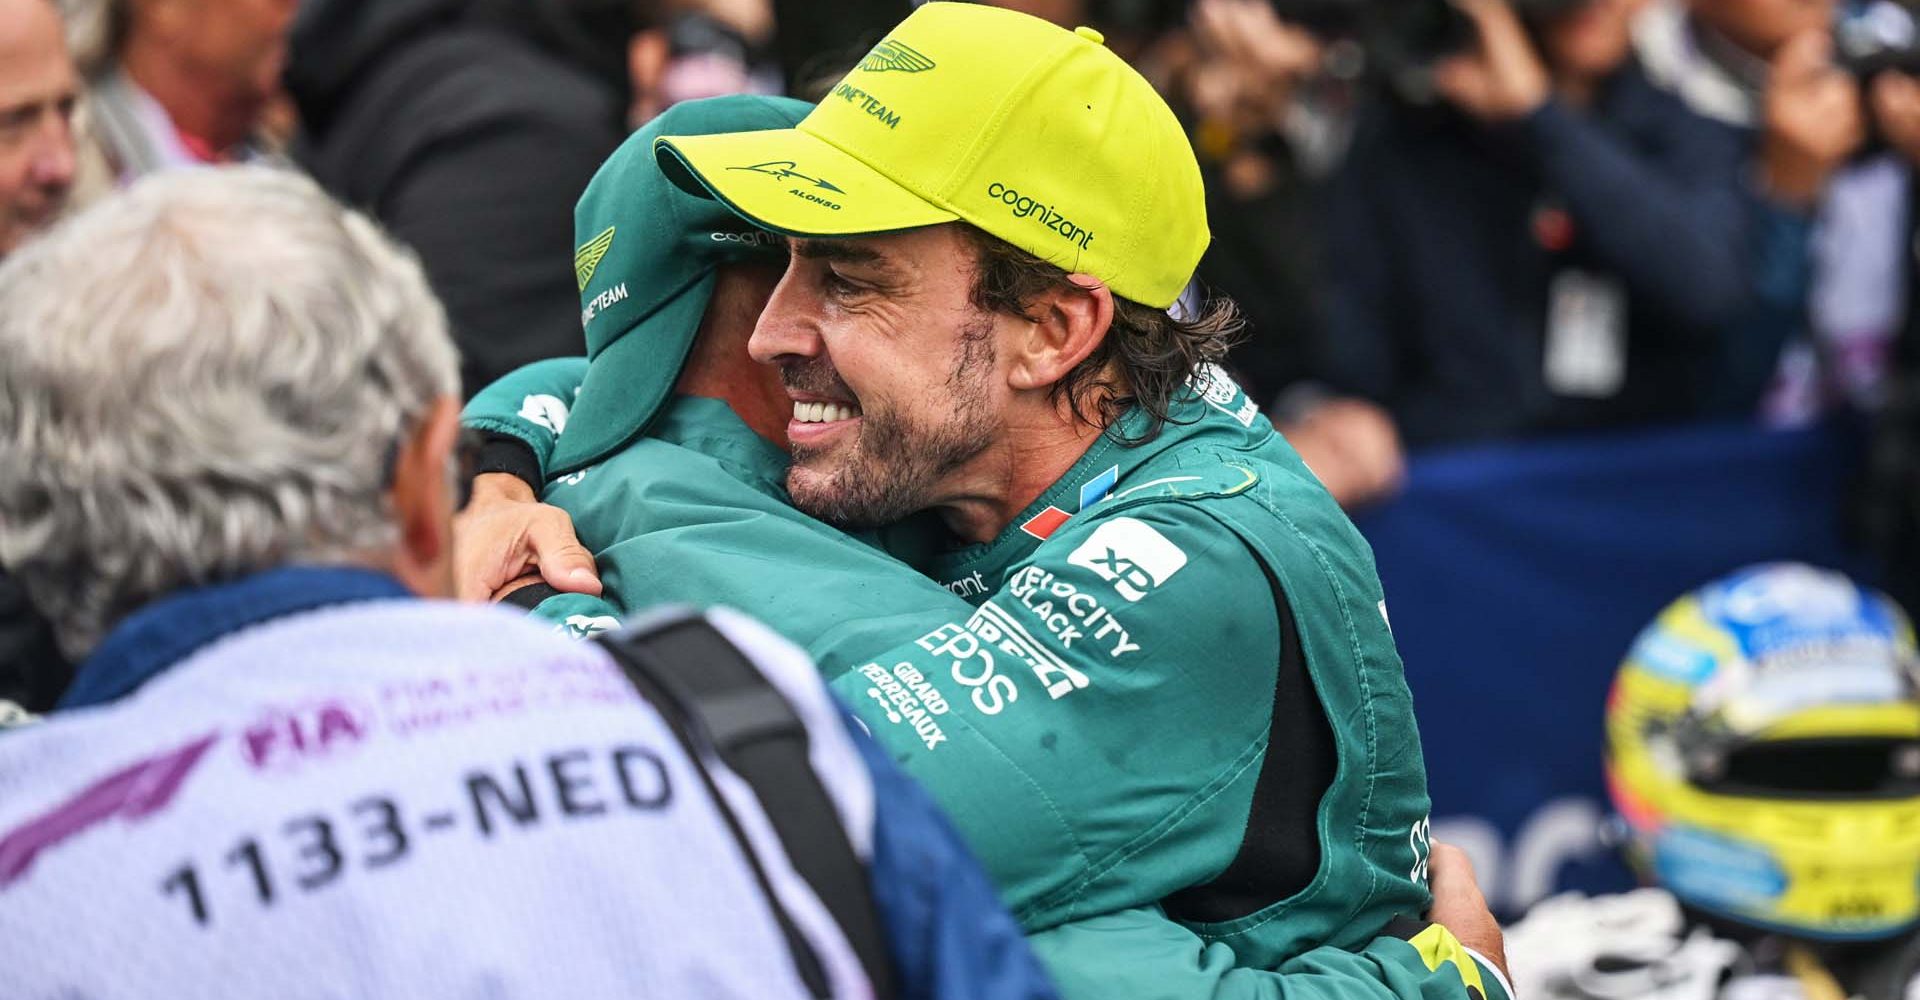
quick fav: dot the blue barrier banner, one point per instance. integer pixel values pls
(1516, 578)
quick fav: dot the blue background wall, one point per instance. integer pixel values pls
(1517, 576)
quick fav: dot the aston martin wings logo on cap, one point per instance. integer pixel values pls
(892, 55)
(588, 257)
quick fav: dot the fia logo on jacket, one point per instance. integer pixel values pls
(1131, 555)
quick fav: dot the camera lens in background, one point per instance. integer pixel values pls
(1872, 38)
(1405, 38)
(1422, 31)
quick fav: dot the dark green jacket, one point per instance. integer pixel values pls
(1164, 706)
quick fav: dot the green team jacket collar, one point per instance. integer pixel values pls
(1105, 474)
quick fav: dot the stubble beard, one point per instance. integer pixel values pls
(894, 466)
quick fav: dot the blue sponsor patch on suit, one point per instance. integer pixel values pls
(1096, 489)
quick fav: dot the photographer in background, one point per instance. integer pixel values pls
(1836, 129)
(1555, 245)
(1269, 116)
(1241, 85)
(1831, 266)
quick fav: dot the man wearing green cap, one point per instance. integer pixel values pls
(1157, 690)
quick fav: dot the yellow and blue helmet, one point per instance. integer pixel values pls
(1763, 746)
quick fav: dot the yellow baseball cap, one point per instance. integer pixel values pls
(1040, 136)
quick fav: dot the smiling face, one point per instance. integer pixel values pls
(894, 372)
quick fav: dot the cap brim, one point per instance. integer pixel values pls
(629, 380)
(792, 182)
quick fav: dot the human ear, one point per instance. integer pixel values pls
(1068, 323)
(422, 501)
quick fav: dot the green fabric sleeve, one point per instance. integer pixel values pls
(1141, 954)
(529, 403)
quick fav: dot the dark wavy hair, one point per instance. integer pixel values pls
(1154, 354)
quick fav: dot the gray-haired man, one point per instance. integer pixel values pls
(227, 421)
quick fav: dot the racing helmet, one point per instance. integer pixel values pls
(1763, 748)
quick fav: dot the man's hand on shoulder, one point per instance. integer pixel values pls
(506, 534)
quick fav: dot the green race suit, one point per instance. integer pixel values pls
(1108, 698)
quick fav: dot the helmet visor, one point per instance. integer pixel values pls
(1853, 768)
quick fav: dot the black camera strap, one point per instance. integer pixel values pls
(722, 707)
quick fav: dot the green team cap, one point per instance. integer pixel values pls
(1038, 135)
(645, 266)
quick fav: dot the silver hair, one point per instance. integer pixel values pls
(203, 376)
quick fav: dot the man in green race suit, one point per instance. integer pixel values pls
(1157, 690)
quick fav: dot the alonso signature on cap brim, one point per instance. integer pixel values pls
(795, 183)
